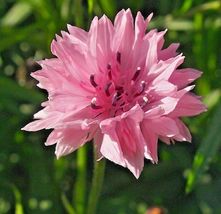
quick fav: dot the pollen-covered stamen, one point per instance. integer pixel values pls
(142, 85)
(93, 104)
(106, 89)
(93, 83)
(137, 73)
(145, 99)
(119, 57)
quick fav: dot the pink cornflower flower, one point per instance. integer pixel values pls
(117, 85)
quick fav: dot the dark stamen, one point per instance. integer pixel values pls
(106, 89)
(87, 136)
(119, 57)
(143, 85)
(109, 75)
(98, 115)
(109, 71)
(93, 83)
(136, 73)
(122, 104)
(119, 95)
(108, 66)
(93, 106)
(119, 89)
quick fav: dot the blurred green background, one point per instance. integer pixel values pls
(188, 177)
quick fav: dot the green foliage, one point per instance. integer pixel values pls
(18, 202)
(207, 151)
(17, 13)
(32, 181)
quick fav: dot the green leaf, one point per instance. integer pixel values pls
(212, 98)
(186, 6)
(65, 9)
(67, 205)
(90, 6)
(12, 36)
(18, 12)
(18, 203)
(206, 152)
(13, 91)
(214, 5)
(108, 7)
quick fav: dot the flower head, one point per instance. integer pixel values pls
(115, 84)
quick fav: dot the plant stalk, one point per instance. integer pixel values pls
(97, 182)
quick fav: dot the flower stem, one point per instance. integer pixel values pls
(97, 182)
(67, 205)
(80, 185)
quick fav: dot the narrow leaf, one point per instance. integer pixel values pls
(18, 204)
(90, 6)
(206, 152)
(67, 205)
(18, 12)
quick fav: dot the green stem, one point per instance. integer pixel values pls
(97, 182)
(78, 13)
(67, 205)
(90, 8)
(80, 185)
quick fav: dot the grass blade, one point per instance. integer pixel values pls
(207, 150)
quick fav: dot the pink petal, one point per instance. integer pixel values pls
(74, 58)
(78, 33)
(165, 140)
(165, 105)
(93, 33)
(141, 25)
(164, 126)
(189, 105)
(151, 141)
(47, 123)
(154, 112)
(184, 133)
(53, 137)
(162, 88)
(123, 35)
(165, 75)
(154, 40)
(169, 52)
(104, 40)
(123, 136)
(68, 140)
(111, 149)
(132, 144)
(63, 149)
(152, 57)
(183, 77)
(135, 113)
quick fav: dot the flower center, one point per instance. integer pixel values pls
(114, 96)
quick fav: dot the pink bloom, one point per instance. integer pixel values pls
(115, 84)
